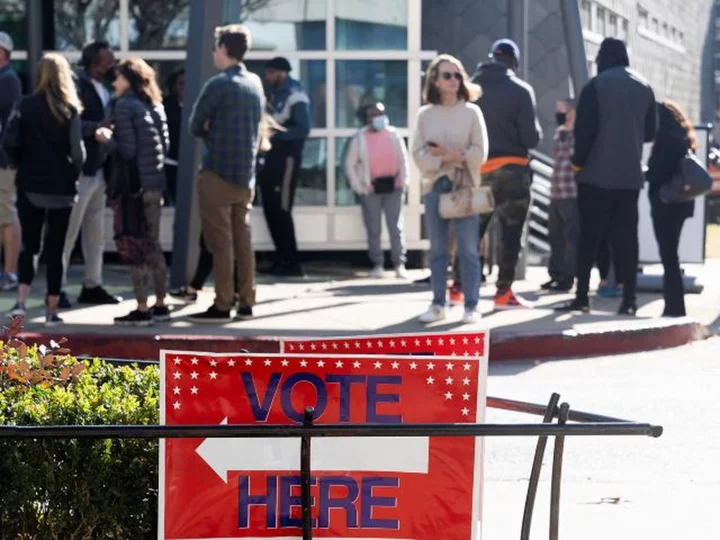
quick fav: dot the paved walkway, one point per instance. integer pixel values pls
(335, 300)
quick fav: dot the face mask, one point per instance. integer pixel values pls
(561, 118)
(380, 122)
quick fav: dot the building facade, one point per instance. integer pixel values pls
(349, 51)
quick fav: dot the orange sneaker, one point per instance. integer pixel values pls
(457, 298)
(508, 300)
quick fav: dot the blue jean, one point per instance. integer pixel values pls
(467, 233)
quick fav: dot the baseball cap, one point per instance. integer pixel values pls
(505, 46)
(6, 42)
(279, 63)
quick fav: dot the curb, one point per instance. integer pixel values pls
(503, 345)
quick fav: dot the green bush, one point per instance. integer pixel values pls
(76, 489)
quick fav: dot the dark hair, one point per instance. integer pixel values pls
(612, 53)
(172, 79)
(468, 91)
(361, 113)
(682, 119)
(235, 38)
(91, 53)
(142, 79)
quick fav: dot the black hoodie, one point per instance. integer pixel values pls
(508, 105)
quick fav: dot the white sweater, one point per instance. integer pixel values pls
(460, 126)
(357, 165)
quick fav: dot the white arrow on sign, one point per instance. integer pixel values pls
(361, 454)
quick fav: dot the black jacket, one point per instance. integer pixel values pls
(92, 116)
(49, 153)
(671, 144)
(508, 105)
(173, 110)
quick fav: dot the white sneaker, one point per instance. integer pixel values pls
(401, 272)
(434, 314)
(377, 272)
(471, 316)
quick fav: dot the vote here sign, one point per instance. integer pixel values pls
(422, 488)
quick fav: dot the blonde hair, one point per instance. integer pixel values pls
(55, 82)
(468, 91)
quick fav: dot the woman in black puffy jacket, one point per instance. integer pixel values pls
(675, 136)
(140, 141)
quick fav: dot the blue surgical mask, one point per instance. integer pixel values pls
(380, 122)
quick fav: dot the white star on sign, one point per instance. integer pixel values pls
(428, 342)
(177, 361)
(441, 341)
(339, 364)
(357, 344)
(466, 397)
(413, 365)
(231, 363)
(430, 380)
(213, 375)
(417, 342)
(431, 366)
(452, 341)
(392, 344)
(303, 363)
(477, 340)
(450, 366)
(213, 363)
(248, 362)
(194, 361)
(466, 341)
(291, 346)
(465, 411)
(395, 365)
(176, 405)
(177, 375)
(466, 354)
(194, 390)
(285, 363)
(378, 365)
(301, 347)
(448, 395)
(335, 346)
(313, 346)
(466, 382)
(356, 364)
(449, 380)
(176, 391)
(346, 345)
(324, 346)
(379, 343)
(194, 375)
(268, 362)
(403, 343)
(466, 367)
(321, 363)
(369, 344)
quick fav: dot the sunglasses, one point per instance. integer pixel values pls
(447, 76)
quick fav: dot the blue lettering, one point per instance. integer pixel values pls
(346, 503)
(374, 397)
(260, 411)
(346, 382)
(269, 501)
(289, 384)
(288, 501)
(369, 501)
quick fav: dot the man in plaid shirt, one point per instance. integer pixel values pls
(227, 116)
(564, 221)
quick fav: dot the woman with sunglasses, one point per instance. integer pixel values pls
(450, 138)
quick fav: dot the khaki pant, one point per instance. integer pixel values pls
(225, 215)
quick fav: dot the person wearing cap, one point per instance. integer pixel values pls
(10, 92)
(289, 105)
(508, 104)
(616, 115)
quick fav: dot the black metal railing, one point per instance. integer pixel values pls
(588, 425)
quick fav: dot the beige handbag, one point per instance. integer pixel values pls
(465, 200)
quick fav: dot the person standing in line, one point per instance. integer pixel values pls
(674, 138)
(616, 114)
(508, 104)
(173, 105)
(289, 105)
(450, 142)
(140, 137)
(377, 170)
(88, 214)
(44, 139)
(227, 116)
(10, 92)
(564, 222)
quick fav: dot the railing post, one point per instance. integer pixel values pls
(305, 479)
(557, 475)
(550, 412)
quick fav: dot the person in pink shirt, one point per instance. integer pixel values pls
(377, 170)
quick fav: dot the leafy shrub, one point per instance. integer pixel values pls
(74, 489)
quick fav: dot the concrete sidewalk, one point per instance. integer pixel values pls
(338, 301)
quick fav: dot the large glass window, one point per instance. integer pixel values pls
(76, 23)
(312, 74)
(158, 24)
(285, 25)
(344, 195)
(359, 82)
(371, 24)
(13, 20)
(585, 9)
(312, 182)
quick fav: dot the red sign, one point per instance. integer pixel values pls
(422, 488)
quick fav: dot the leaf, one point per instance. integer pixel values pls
(64, 374)
(22, 350)
(23, 365)
(48, 360)
(77, 370)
